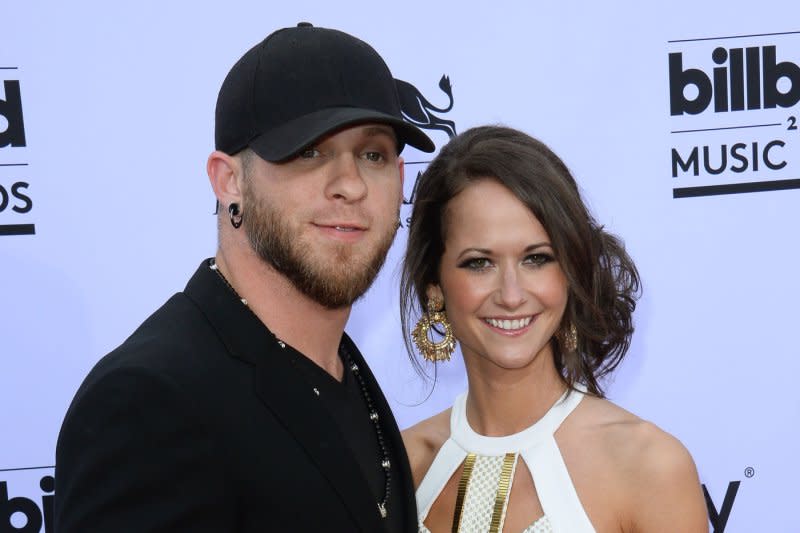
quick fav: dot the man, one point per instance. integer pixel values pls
(241, 405)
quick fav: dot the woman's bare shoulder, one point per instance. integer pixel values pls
(630, 440)
(423, 441)
(651, 465)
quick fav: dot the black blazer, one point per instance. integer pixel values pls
(199, 423)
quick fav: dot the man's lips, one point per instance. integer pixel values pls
(342, 226)
(346, 231)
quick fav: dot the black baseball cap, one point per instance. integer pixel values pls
(303, 82)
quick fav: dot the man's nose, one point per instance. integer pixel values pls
(346, 182)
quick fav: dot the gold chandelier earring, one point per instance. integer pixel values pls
(434, 351)
(569, 339)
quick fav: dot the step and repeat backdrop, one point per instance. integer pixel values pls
(680, 121)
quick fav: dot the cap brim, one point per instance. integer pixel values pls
(285, 141)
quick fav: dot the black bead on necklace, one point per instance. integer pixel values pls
(385, 463)
(212, 264)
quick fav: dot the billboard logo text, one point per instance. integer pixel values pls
(746, 79)
(12, 133)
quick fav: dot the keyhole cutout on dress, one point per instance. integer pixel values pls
(494, 494)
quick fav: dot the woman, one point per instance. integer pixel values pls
(504, 256)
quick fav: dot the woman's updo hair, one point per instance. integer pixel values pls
(603, 283)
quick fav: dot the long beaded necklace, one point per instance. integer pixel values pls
(386, 464)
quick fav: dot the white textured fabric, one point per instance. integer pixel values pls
(540, 526)
(563, 512)
(481, 491)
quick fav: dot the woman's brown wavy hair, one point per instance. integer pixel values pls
(603, 282)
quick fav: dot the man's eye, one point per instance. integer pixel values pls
(375, 157)
(308, 153)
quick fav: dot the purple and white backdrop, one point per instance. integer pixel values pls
(679, 120)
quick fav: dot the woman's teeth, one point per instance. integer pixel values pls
(509, 324)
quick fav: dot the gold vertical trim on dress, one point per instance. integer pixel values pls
(466, 474)
(503, 487)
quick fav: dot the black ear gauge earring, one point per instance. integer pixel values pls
(236, 216)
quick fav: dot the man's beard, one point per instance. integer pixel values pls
(335, 280)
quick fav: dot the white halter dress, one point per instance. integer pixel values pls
(489, 465)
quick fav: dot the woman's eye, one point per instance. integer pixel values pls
(476, 263)
(538, 259)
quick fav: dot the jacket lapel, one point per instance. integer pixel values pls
(285, 392)
(307, 419)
